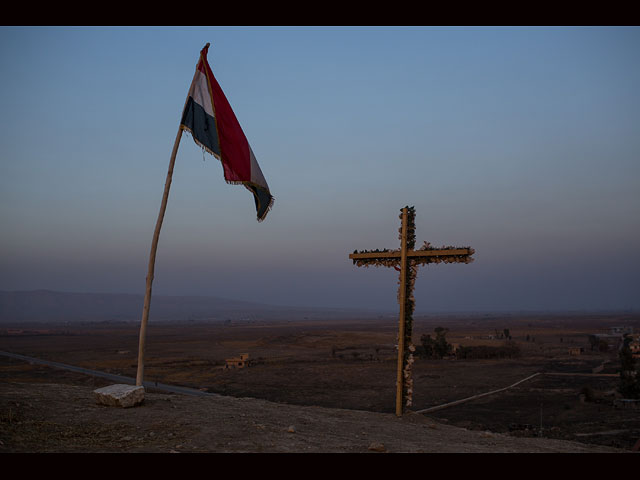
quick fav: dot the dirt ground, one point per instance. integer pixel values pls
(316, 387)
(47, 417)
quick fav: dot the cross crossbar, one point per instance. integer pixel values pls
(441, 252)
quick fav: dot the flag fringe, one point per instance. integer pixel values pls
(247, 184)
(201, 145)
(271, 201)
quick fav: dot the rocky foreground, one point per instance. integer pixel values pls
(37, 417)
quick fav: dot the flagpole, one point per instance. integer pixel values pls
(152, 261)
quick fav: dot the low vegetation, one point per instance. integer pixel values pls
(509, 349)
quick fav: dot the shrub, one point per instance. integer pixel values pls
(508, 350)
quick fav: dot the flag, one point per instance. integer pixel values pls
(209, 118)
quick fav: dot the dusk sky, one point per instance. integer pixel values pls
(523, 143)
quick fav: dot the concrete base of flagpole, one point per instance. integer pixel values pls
(120, 395)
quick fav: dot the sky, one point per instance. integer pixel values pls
(521, 142)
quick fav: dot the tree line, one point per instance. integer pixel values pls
(438, 347)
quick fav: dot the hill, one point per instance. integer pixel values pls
(49, 417)
(52, 306)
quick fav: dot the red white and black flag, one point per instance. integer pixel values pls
(209, 118)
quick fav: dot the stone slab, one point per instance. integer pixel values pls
(120, 395)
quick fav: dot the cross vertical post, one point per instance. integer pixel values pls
(402, 300)
(406, 261)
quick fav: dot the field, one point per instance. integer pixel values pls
(350, 364)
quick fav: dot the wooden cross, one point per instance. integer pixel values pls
(406, 261)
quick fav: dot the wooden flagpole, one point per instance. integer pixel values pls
(152, 261)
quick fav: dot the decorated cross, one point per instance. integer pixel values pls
(406, 260)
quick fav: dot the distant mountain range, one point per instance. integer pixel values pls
(51, 306)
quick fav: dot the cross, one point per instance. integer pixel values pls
(406, 260)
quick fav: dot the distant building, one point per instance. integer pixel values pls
(612, 340)
(237, 362)
(576, 351)
(620, 330)
(603, 341)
